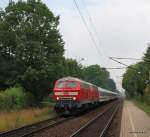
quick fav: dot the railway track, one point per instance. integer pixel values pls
(97, 127)
(72, 127)
(33, 128)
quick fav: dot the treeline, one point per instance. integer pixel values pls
(136, 80)
(32, 53)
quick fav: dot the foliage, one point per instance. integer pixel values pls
(136, 79)
(142, 105)
(31, 55)
(98, 76)
(147, 95)
(72, 68)
(14, 98)
(31, 47)
(48, 100)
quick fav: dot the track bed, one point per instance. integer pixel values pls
(66, 129)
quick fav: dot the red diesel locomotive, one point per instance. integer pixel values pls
(72, 95)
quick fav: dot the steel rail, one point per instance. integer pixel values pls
(94, 119)
(33, 128)
(37, 127)
(109, 122)
(91, 121)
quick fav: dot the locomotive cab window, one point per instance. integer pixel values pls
(66, 84)
(71, 84)
(61, 84)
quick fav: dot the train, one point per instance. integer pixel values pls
(73, 95)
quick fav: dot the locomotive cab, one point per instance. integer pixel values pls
(66, 94)
(66, 90)
(73, 95)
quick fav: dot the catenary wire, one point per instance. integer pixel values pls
(86, 26)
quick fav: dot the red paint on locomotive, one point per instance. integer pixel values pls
(73, 95)
(75, 89)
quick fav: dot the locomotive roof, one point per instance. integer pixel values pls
(74, 79)
(77, 79)
(69, 78)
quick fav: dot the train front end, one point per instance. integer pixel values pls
(66, 95)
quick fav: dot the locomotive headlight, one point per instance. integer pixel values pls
(57, 98)
(74, 98)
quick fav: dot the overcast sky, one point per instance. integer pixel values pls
(123, 28)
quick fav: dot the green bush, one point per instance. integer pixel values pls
(147, 95)
(48, 101)
(15, 98)
(147, 98)
(30, 99)
(5, 101)
(2, 101)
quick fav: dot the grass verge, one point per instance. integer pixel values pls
(14, 119)
(142, 105)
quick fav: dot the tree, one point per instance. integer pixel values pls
(134, 80)
(31, 47)
(147, 57)
(72, 68)
(96, 75)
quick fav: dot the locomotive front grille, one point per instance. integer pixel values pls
(65, 98)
